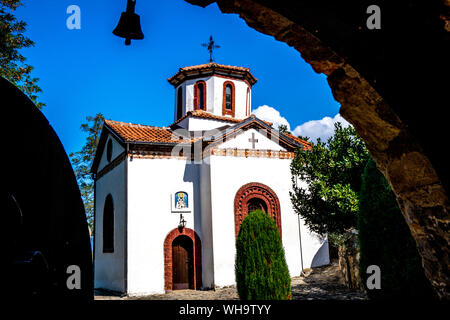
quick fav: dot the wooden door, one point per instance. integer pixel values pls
(182, 260)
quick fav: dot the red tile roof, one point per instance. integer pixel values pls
(131, 132)
(213, 64)
(212, 68)
(266, 122)
(207, 115)
(306, 145)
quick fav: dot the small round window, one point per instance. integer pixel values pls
(109, 149)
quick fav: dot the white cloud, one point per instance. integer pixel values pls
(323, 128)
(270, 114)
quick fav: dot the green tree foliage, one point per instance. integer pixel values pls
(328, 202)
(385, 240)
(12, 64)
(82, 162)
(307, 139)
(261, 269)
(283, 128)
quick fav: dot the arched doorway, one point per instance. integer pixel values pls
(252, 196)
(182, 263)
(182, 260)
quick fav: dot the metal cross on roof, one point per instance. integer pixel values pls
(210, 46)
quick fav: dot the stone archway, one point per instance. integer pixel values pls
(265, 198)
(378, 98)
(168, 258)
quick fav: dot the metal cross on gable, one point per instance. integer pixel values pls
(253, 140)
(210, 46)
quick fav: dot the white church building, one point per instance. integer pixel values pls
(169, 201)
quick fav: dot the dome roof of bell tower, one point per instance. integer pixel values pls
(212, 69)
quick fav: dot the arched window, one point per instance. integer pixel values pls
(200, 95)
(255, 204)
(228, 98)
(253, 196)
(180, 103)
(109, 150)
(248, 107)
(228, 93)
(108, 225)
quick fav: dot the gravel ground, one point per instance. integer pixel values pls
(323, 283)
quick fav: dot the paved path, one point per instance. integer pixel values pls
(323, 283)
(317, 284)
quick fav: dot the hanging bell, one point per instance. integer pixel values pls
(129, 26)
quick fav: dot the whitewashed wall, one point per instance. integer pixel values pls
(242, 141)
(198, 124)
(117, 149)
(150, 184)
(228, 174)
(206, 227)
(109, 268)
(315, 247)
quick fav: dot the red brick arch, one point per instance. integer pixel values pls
(168, 263)
(256, 190)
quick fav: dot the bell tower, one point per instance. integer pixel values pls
(216, 89)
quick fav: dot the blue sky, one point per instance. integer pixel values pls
(83, 72)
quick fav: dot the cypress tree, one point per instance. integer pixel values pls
(386, 241)
(261, 269)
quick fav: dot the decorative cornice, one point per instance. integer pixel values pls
(255, 153)
(150, 154)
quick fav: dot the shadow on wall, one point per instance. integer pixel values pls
(322, 256)
(191, 174)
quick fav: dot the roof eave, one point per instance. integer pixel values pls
(159, 143)
(183, 75)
